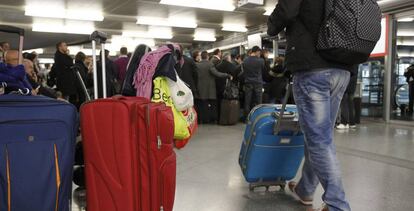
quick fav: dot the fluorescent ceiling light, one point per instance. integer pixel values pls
(406, 43)
(204, 34)
(405, 33)
(223, 5)
(46, 61)
(55, 11)
(153, 32)
(37, 50)
(234, 28)
(225, 47)
(269, 11)
(406, 20)
(121, 41)
(175, 22)
(405, 54)
(67, 28)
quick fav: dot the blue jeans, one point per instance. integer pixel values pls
(318, 94)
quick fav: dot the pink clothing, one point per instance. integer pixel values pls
(146, 70)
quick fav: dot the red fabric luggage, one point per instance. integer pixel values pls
(129, 157)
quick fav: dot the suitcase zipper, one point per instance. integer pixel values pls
(58, 181)
(159, 142)
(8, 180)
(252, 134)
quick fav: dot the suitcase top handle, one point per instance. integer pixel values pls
(12, 29)
(99, 37)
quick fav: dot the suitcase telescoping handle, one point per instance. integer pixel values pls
(100, 38)
(281, 124)
(20, 32)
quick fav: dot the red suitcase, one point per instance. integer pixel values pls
(130, 163)
(129, 157)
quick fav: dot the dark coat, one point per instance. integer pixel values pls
(228, 68)
(65, 77)
(302, 20)
(111, 75)
(215, 60)
(409, 73)
(207, 74)
(277, 87)
(189, 74)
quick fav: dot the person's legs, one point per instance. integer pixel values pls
(351, 109)
(258, 95)
(411, 96)
(248, 94)
(345, 110)
(318, 95)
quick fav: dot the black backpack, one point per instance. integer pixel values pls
(350, 30)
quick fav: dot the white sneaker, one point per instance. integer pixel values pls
(352, 126)
(342, 127)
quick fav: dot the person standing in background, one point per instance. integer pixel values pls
(112, 85)
(266, 76)
(277, 88)
(5, 46)
(197, 56)
(216, 59)
(189, 74)
(122, 63)
(347, 103)
(226, 66)
(62, 70)
(409, 74)
(207, 73)
(253, 67)
(83, 71)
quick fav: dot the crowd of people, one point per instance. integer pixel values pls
(206, 75)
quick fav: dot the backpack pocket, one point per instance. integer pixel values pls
(369, 21)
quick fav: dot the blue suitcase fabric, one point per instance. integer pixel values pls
(37, 145)
(265, 157)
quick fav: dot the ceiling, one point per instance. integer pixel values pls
(122, 15)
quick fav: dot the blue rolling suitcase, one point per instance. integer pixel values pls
(37, 142)
(273, 146)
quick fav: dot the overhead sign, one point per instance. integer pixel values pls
(381, 49)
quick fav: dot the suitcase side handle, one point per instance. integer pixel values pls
(12, 30)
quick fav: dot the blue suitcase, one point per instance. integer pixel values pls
(269, 157)
(37, 142)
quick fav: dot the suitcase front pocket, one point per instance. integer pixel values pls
(167, 181)
(30, 176)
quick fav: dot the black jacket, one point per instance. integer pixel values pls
(65, 78)
(302, 20)
(111, 74)
(224, 67)
(409, 73)
(189, 74)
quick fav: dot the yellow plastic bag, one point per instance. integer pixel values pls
(162, 94)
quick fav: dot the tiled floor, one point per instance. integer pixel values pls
(377, 163)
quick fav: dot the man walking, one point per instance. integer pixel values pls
(318, 87)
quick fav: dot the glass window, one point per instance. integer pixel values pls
(401, 85)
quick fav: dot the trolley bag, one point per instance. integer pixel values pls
(128, 149)
(230, 105)
(229, 112)
(37, 144)
(273, 145)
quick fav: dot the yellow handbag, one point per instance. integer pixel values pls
(162, 93)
